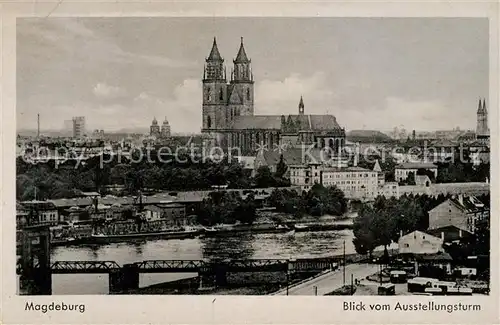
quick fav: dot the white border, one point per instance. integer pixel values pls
(228, 309)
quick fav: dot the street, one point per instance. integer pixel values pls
(332, 280)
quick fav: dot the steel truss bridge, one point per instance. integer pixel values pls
(198, 266)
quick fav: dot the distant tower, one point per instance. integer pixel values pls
(482, 130)
(241, 97)
(38, 126)
(380, 173)
(78, 126)
(165, 129)
(154, 129)
(301, 106)
(214, 91)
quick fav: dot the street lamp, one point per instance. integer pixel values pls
(343, 269)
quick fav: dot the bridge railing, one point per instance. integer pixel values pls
(171, 264)
(158, 266)
(84, 266)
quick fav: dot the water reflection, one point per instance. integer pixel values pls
(245, 246)
(221, 248)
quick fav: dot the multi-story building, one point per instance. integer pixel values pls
(402, 170)
(355, 182)
(389, 189)
(460, 211)
(228, 113)
(78, 126)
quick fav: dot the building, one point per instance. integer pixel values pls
(229, 119)
(152, 213)
(175, 214)
(154, 129)
(305, 175)
(418, 242)
(380, 173)
(482, 129)
(460, 211)
(39, 212)
(298, 156)
(165, 129)
(355, 182)
(389, 189)
(402, 170)
(78, 126)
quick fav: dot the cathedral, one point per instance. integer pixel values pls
(229, 119)
(482, 130)
(157, 132)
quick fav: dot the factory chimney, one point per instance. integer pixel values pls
(38, 126)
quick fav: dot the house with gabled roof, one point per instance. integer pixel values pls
(461, 211)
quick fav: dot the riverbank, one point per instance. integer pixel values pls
(256, 283)
(266, 225)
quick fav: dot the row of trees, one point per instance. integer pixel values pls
(226, 208)
(318, 201)
(51, 181)
(382, 222)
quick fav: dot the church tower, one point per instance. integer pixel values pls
(165, 129)
(154, 129)
(482, 130)
(214, 91)
(301, 106)
(241, 97)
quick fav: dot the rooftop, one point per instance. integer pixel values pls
(416, 165)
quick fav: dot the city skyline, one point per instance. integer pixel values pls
(434, 68)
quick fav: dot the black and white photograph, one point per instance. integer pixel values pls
(253, 156)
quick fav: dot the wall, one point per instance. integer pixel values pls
(447, 214)
(419, 243)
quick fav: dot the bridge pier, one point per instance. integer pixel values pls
(124, 279)
(221, 275)
(36, 250)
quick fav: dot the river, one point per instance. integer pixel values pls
(280, 245)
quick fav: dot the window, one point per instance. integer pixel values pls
(248, 93)
(221, 95)
(208, 94)
(209, 122)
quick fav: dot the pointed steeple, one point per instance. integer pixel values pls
(479, 106)
(484, 105)
(214, 53)
(301, 106)
(376, 167)
(242, 55)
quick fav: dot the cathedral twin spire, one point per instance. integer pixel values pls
(215, 69)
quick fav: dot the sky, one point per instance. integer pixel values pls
(371, 73)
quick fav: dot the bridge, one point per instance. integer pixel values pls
(196, 266)
(126, 277)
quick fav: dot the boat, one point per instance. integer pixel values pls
(169, 234)
(301, 227)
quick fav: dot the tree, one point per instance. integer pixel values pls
(365, 239)
(264, 177)
(281, 168)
